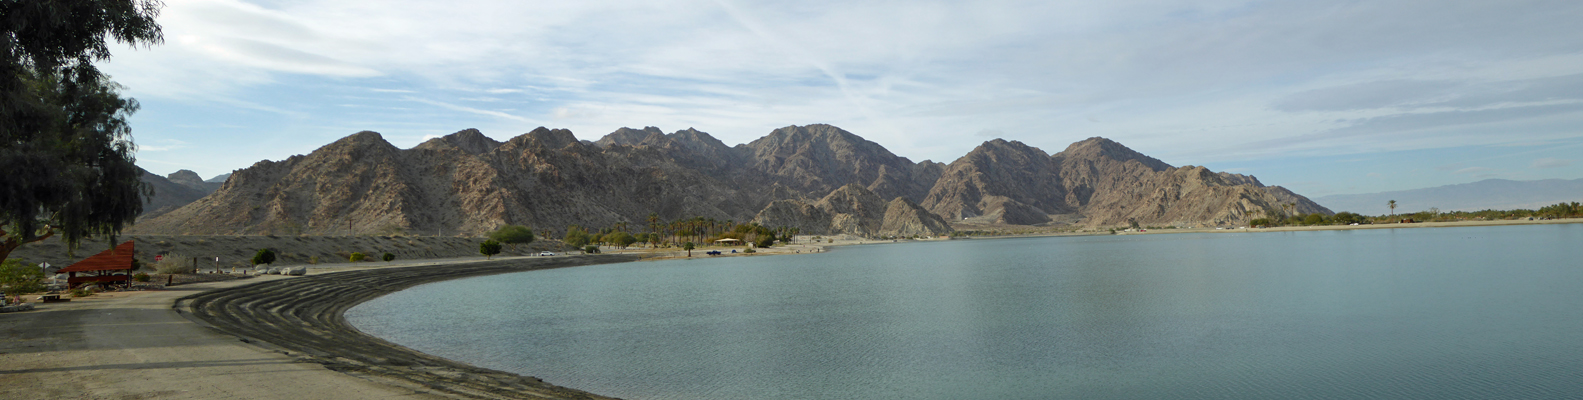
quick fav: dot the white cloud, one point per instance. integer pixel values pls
(1548, 162)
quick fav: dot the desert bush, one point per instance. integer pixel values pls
(388, 257)
(313, 260)
(355, 257)
(17, 276)
(264, 256)
(173, 264)
(81, 292)
(591, 249)
(141, 277)
(749, 251)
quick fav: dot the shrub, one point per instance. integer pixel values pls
(17, 276)
(591, 249)
(388, 257)
(313, 260)
(489, 248)
(81, 292)
(264, 256)
(173, 263)
(749, 251)
(140, 277)
(765, 241)
(355, 257)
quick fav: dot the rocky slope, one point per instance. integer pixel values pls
(1103, 183)
(466, 184)
(854, 210)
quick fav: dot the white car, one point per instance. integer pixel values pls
(546, 253)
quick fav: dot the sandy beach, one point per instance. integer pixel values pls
(277, 337)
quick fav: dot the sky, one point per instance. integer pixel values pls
(1322, 97)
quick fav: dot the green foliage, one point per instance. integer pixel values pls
(141, 277)
(576, 236)
(489, 248)
(765, 241)
(513, 234)
(388, 257)
(689, 247)
(1257, 222)
(622, 239)
(1348, 218)
(749, 251)
(65, 144)
(591, 249)
(1314, 219)
(357, 257)
(17, 277)
(264, 256)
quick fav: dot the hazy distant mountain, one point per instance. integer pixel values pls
(192, 180)
(1498, 194)
(219, 178)
(168, 195)
(468, 183)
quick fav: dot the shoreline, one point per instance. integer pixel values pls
(232, 333)
(304, 318)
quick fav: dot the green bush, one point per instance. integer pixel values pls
(18, 277)
(513, 234)
(749, 251)
(489, 248)
(591, 249)
(264, 256)
(765, 241)
(388, 257)
(140, 277)
(358, 257)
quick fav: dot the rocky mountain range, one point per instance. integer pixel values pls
(468, 183)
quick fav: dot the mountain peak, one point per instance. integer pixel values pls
(471, 141)
(1098, 147)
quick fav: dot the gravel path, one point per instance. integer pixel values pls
(303, 317)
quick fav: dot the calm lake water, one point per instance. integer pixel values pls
(1429, 313)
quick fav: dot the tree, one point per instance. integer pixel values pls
(1314, 219)
(358, 257)
(388, 257)
(65, 144)
(576, 236)
(689, 247)
(513, 234)
(264, 256)
(622, 239)
(765, 241)
(1392, 204)
(591, 249)
(489, 248)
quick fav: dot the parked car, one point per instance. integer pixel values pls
(546, 253)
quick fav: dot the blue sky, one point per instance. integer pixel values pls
(1324, 98)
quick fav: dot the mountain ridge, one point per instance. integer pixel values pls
(468, 183)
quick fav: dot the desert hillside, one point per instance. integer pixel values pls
(466, 184)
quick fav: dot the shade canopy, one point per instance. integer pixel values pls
(118, 258)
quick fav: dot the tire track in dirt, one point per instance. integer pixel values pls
(305, 317)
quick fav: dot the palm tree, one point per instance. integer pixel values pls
(1392, 203)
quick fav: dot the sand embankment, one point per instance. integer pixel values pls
(136, 345)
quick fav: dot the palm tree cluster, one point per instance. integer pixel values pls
(661, 233)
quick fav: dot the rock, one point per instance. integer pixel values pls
(295, 271)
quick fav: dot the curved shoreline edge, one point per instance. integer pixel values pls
(305, 317)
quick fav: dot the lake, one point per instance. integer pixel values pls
(1426, 313)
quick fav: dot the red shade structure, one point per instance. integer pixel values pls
(102, 266)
